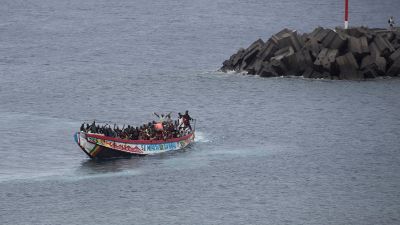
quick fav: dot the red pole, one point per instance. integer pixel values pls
(346, 14)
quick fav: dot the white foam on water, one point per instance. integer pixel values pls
(67, 176)
(201, 137)
(75, 177)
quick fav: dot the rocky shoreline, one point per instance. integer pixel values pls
(353, 54)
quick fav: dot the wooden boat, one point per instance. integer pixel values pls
(100, 146)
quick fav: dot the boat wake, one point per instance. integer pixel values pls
(201, 137)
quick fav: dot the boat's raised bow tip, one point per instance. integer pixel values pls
(76, 137)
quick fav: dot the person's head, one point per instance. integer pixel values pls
(186, 112)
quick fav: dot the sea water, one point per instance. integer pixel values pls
(267, 151)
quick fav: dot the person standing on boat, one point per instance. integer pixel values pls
(391, 22)
(180, 121)
(83, 127)
(93, 127)
(87, 127)
(187, 119)
(168, 118)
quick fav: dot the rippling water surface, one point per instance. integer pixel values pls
(268, 151)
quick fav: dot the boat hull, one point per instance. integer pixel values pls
(98, 146)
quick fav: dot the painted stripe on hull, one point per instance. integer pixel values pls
(97, 147)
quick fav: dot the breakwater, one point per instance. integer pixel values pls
(350, 54)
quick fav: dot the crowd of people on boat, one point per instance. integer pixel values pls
(162, 129)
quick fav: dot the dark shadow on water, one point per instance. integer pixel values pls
(101, 166)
